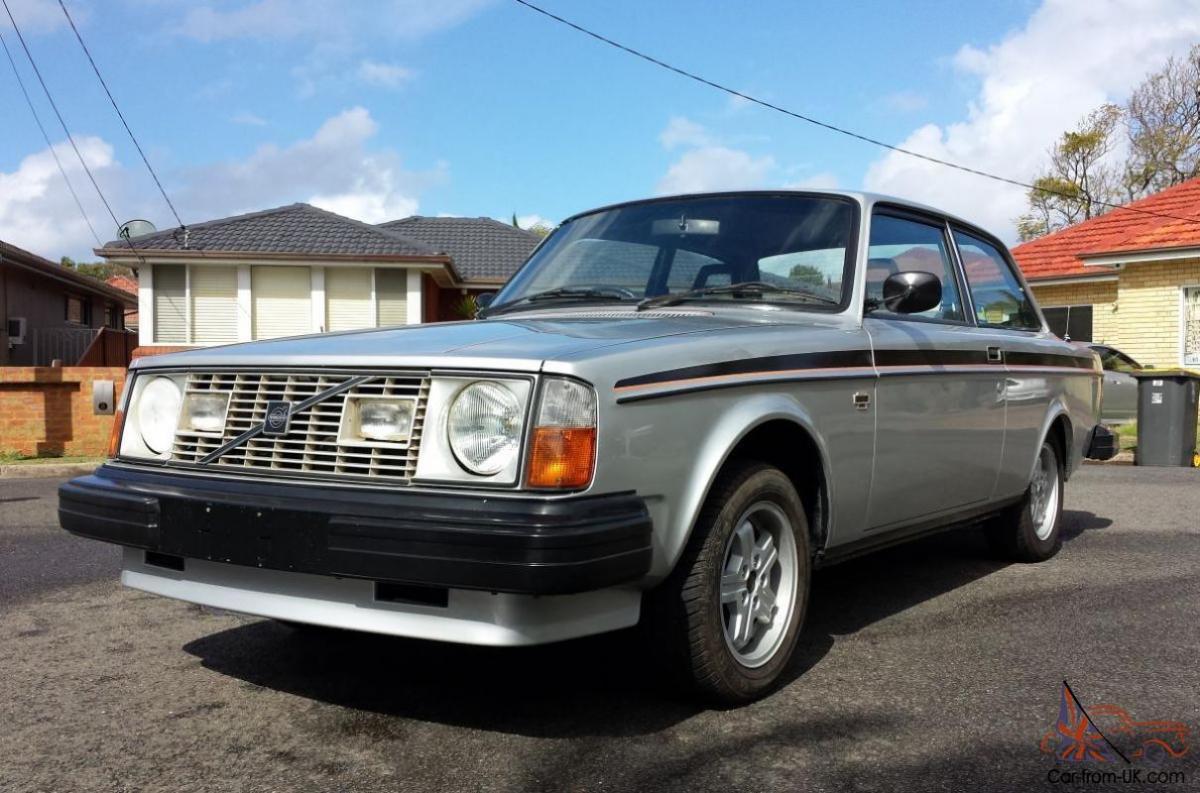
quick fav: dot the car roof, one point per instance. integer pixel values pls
(866, 199)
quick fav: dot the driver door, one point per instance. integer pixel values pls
(940, 409)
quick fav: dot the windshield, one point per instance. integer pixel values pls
(798, 243)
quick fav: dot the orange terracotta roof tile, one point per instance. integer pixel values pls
(1058, 255)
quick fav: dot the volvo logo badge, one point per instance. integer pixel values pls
(279, 415)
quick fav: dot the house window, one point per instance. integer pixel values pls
(1070, 322)
(348, 298)
(78, 310)
(112, 316)
(212, 297)
(391, 297)
(170, 304)
(1191, 326)
(282, 301)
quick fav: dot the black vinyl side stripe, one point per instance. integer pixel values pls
(839, 359)
(1048, 359)
(853, 359)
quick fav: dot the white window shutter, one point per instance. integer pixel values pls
(282, 301)
(214, 304)
(348, 298)
(391, 295)
(170, 304)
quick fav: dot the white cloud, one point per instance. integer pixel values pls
(336, 169)
(715, 168)
(39, 16)
(249, 120)
(36, 209)
(682, 131)
(384, 75)
(529, 221)
(1070, 57)
(825, 180)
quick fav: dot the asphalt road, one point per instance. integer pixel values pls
(926, 667)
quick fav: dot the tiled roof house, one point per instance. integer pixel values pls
(1129, 278)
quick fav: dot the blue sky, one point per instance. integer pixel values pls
(481, 107)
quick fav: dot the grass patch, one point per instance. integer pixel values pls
(17, 458)
(1128, 433)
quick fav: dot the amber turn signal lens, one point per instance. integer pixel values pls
(562, 457)
(114, 436)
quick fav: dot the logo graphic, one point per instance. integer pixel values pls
(279, 415)
(1108, 734)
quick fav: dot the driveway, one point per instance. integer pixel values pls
(926, 667)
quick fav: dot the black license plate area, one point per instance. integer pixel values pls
(246, 535)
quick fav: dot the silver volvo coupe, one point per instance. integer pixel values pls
(670, 415)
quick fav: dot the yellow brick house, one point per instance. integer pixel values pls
(1129, 278)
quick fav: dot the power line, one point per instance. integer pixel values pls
(120, 115)
(833, 127)
(49, 145)
(67, 132)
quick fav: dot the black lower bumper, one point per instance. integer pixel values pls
(1102, 444)
(524, 544)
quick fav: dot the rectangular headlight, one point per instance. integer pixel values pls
(376, 419)
(205, 413)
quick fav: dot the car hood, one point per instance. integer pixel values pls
(520, 342)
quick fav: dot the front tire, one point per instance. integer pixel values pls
(726, 621)
(1031, 530)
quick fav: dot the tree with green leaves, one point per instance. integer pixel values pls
(1161, 128)
(101, 271)
(1081, 178)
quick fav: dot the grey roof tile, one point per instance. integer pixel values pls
(296, 228)
(483, 249)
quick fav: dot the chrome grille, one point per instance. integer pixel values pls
(310, 447)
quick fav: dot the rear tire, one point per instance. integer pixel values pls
(1031, 530)
(726, 621)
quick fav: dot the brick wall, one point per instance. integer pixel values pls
(1149, 299)
(1140, 313)
(48, 411)
(1102, 296)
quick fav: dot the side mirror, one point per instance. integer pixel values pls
(485, 299)
(911, 292)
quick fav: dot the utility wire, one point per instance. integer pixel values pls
(120, 115)
(833, 127)
(66, 131)
(49, 145)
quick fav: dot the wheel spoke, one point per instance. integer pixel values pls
(764, 607)
(733, 587)
(745, 540)
(743, 623)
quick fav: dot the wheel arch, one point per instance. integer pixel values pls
(771, 429)
(1059, 431)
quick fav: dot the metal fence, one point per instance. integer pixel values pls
(65, 344)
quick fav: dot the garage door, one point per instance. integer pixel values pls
(348, 298)
(282, 302)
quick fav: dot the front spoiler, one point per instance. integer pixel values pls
(525, 544)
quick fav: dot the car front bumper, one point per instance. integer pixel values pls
(528, 544)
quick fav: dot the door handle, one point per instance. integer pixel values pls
(994, 355)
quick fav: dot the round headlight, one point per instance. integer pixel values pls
(158, 413)
(484, 427)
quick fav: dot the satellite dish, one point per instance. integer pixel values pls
(135, 228)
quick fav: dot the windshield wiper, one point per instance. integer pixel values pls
(747, 288)
(563, 293)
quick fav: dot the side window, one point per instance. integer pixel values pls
(901, 245)
(997, 294)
